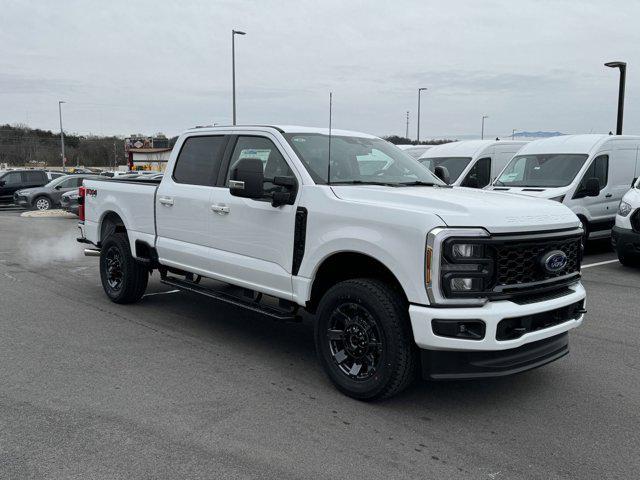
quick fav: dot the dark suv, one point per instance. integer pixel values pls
(14, 180)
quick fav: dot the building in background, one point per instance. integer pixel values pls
(147, 153)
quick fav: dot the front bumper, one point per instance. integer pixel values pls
(625, 241)
(449, 357)
(21, 201)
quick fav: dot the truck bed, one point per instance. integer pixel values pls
(132, 200)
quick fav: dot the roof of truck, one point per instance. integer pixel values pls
(572, 143)
(466, 148)
(284, 129)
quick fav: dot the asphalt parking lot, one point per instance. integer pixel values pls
(180, 386)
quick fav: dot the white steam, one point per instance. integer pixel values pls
(52, 249)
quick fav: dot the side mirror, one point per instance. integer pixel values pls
(247, 179)
(592, 187)
(442, 173)
(58, 187)
(283, 197)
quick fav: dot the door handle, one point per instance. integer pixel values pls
(220, 209)
(168, 201)
(608, 195)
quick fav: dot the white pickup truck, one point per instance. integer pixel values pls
(402, 273)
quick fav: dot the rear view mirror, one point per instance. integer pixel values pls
(247, 179)
(442, 173)
(592, 187)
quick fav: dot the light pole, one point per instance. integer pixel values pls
(407, 133)
(419, 92)
(623, 77)
(233, 67)
(60, 102)
(482, 131)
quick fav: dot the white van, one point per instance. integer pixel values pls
(588, 173)
(471, 163)
(414, 150)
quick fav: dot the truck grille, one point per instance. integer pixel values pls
(518, 262)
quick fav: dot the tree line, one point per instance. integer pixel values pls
(21, 145)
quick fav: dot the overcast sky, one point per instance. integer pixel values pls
(153, 66)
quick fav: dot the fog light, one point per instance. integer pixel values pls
(467, 329)
(466, 284)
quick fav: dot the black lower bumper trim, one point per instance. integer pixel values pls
(453, 365)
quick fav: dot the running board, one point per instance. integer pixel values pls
(270, 311)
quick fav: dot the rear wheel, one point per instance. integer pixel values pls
(42, 203)
(364, 341)
(123, 278)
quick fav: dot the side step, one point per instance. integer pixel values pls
(271, 311)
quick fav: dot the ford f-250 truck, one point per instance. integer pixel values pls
(402, 273)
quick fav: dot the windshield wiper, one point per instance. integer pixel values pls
(362, 182)
(418, 183)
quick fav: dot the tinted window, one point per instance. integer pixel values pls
(454, 165)
(273, 163)
(12, 178)
(199, 160)
(34, 177)
(70, 182)
(544, 170)
(480, 174)
(599, 169)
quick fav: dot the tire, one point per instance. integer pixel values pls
(42, 203)
(628, 260)
(123, 278)
(365, 322)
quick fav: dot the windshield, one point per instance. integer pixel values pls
(358, 160)
(454, 165)
(548, 170)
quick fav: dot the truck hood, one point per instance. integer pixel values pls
(467, 207)
(539, 192)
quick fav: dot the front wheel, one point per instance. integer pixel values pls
(123, 278)
(42, 203)
(628, 260)
(364, 341)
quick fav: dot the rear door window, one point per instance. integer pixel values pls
(33, 178)
(199, 160)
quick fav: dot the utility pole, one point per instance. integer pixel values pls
(482, 131)
(418, 133)
(407, 134)
(115, 157)
(62, 135)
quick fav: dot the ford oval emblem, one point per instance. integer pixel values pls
(554, 261)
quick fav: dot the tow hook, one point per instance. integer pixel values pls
(91, 252)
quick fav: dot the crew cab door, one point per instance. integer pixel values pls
(183, 204)
(252, 240)
(9, 183)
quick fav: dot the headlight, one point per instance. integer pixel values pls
(461, 284)
(466, 250)
(624, 209)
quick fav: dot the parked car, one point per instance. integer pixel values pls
(588, 173)
(625, 235)
(69, 201)
(14, 180)
(471, 163)
(53, 175)
(414, 151)
(400, 270)
(48, 196)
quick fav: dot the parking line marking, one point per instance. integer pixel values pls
(599, 263)
(160, 293)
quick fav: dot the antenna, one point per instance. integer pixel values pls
(329, 162)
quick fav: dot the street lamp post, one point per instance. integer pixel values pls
(418, 133)
(233, 67)
(407, 132)
(482, 131)
(61, 134)
(622, 66)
